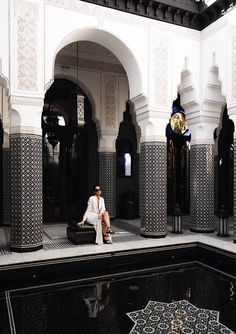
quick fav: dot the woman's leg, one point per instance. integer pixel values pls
(106, 226)
(106, 222)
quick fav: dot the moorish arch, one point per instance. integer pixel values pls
(116, 46)
(106, 134)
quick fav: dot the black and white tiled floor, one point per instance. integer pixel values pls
(127, 237)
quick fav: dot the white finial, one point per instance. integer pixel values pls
(214, 59)
(186, 63)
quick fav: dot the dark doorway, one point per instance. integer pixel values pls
(225, 164)
(127, 168)
(70, 160)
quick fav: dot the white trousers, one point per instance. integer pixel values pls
(92, 219)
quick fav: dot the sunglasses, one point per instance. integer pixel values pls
(97, 189)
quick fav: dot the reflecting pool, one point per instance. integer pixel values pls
(106, 304)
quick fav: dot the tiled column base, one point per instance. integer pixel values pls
(26, 192)
(153, 189)
(6, 187)
(107, 179)
(202, 188)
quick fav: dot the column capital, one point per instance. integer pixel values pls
(107, 141)
(26, 111)
(25, 130)
(26, 100)
(202, 132)
(153, 125)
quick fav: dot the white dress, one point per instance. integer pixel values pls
(94, 208)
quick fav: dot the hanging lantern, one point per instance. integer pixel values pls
(80, 110)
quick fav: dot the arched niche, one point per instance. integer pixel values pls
(70, 161)
(127, 167)
(224, 163)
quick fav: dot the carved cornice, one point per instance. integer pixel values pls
(186, 13)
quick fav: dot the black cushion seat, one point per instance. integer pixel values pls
(84, 234)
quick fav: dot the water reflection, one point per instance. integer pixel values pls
(101, 307)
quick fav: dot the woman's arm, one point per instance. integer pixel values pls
(85, 216)
(103, 209)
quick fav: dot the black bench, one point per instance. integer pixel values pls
(84, 234)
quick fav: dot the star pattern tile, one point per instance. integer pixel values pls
(176, 317)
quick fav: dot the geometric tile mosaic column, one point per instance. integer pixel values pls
(107, 180)
(202, 187)
(234, 189)
(153, 189)
(26, 192)
(6, 186)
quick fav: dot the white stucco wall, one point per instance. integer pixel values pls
(4, 40)
(214, 52)
(154, 55)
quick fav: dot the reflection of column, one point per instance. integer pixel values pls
(234, 187)
(6, 196)
(26, 191)
(202, 187)
(153, 189)
(29, 313)
(107, 179)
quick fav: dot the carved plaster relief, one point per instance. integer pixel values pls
(213, 28)
(160, 69)
(233, 63)
(27, 40)
(110, 84)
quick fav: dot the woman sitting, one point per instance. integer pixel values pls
(96, 212)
